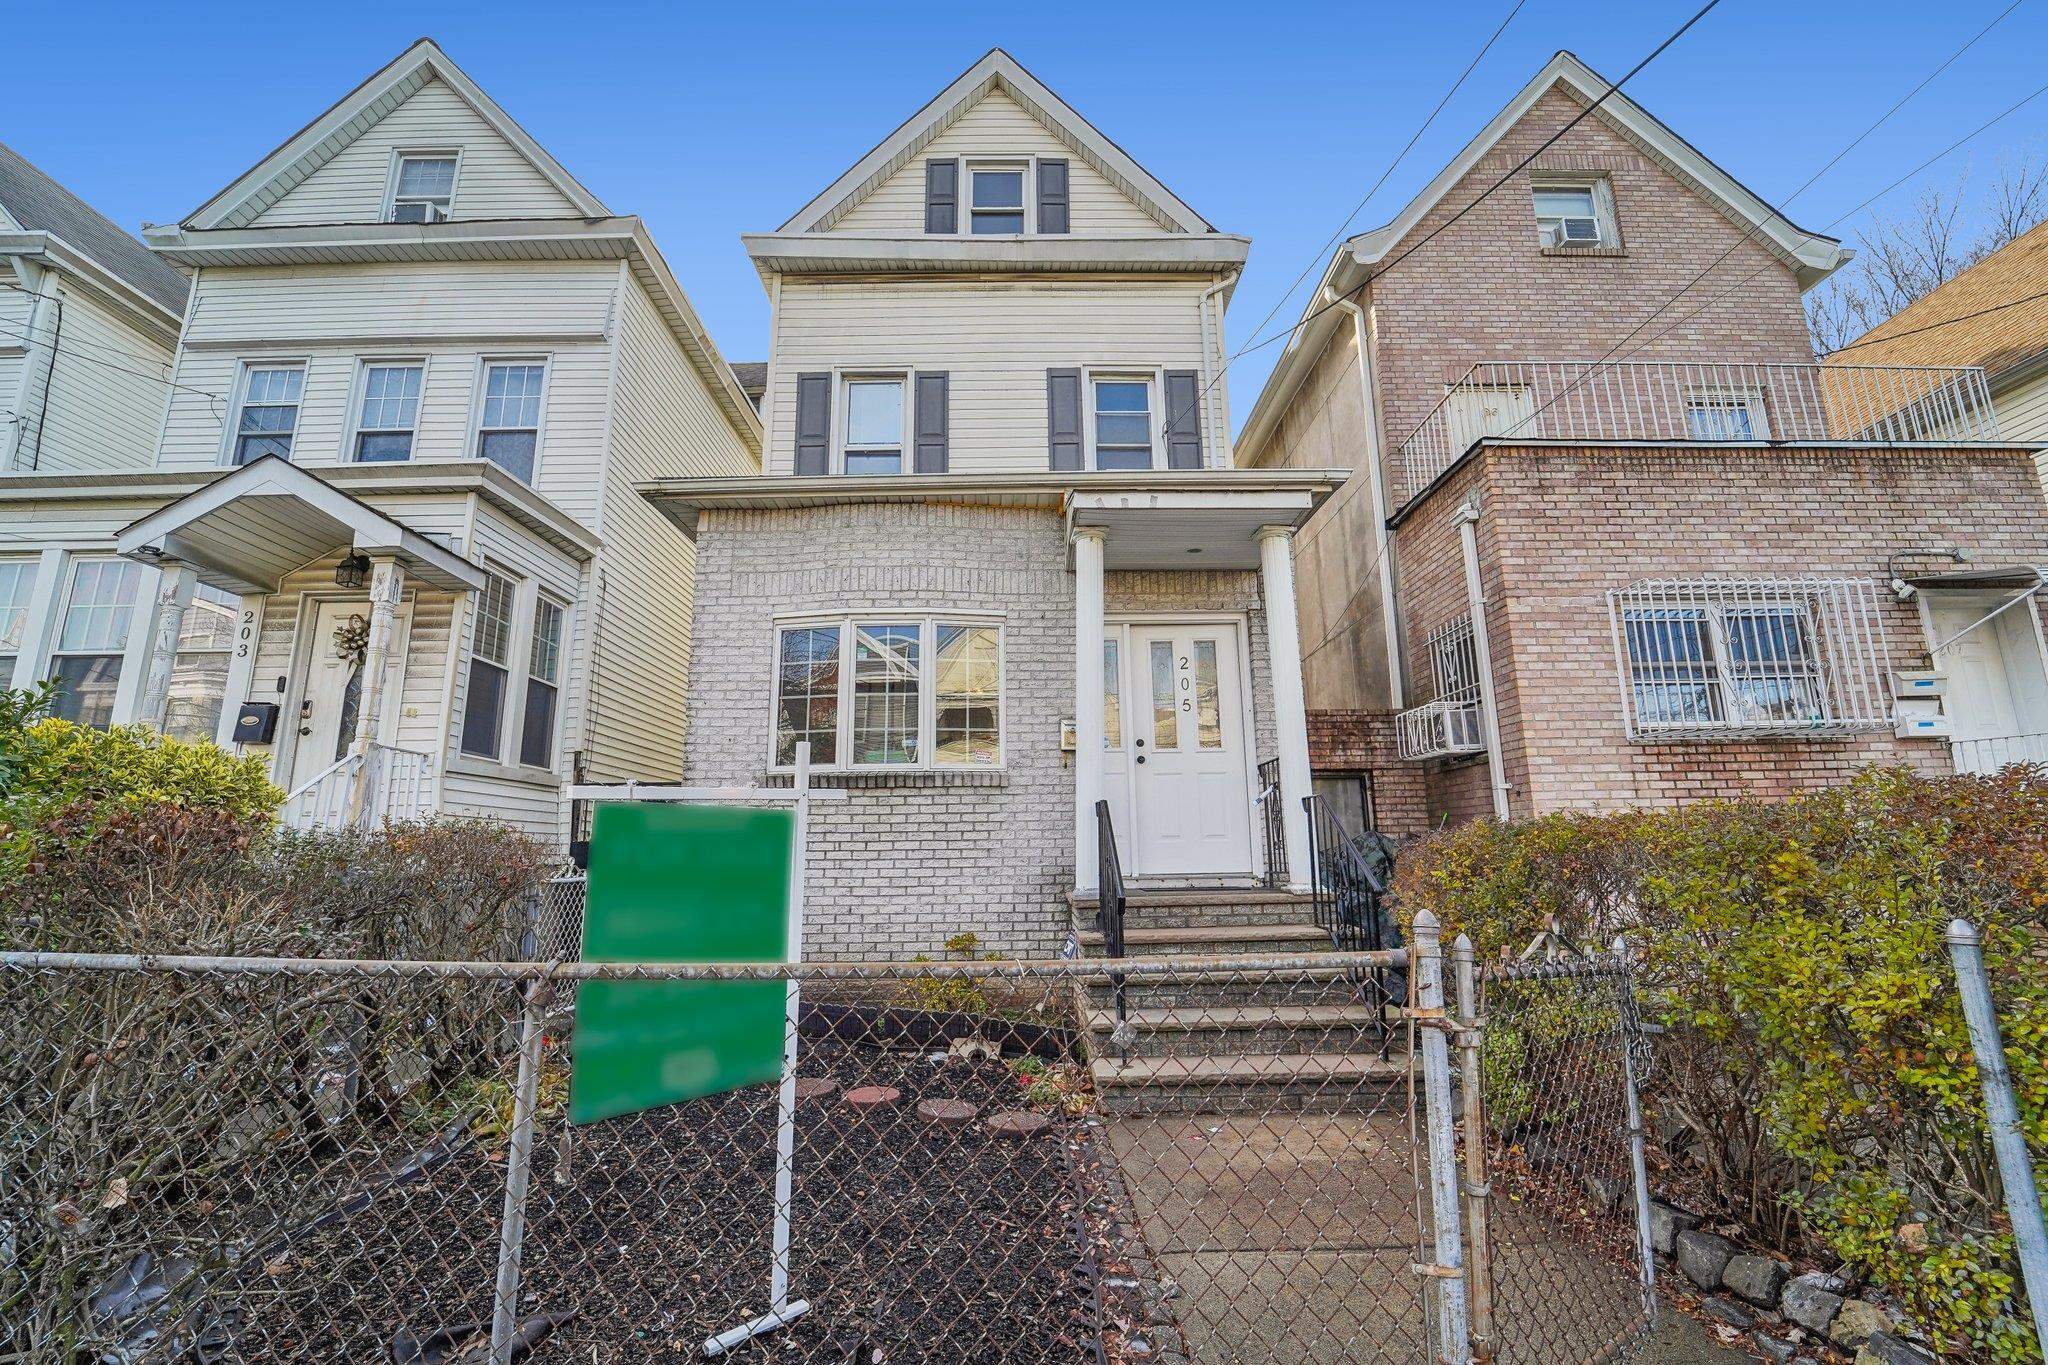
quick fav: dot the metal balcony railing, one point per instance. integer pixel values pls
(1696, 401)
(1997, 752)
(396, 785)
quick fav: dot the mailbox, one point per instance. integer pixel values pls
(256, 723)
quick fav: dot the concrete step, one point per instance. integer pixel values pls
(1217, 940)
(1310, 1082)
(1232, 1030)
(1171, 908)
(1144, 993)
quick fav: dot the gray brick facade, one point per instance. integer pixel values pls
(912, 858)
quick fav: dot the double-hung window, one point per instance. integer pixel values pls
(269, 414)
(543, 686)
(995, 199)
(1723, 417)
(423, 188)
(17, 581)
(1122, 421)
(490, 663)
(199, 673)
(890, 692)
(92, 636)
(1569, 215)
(508, 420)
(874, 437)
(390, 410)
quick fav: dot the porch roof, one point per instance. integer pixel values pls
(244, 531)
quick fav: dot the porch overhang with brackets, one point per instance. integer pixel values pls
(249, 528)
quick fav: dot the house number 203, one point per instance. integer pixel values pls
(245, 634)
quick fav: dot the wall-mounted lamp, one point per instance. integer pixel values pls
(352, 572)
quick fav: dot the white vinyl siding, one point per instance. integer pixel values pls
(496, 180)
(106, 392)
(995, 129)
(995, 341)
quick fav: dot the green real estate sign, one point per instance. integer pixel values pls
(680, 883)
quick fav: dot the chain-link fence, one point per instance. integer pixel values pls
(1556, 1207)
(266, 1160)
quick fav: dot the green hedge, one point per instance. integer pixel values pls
(1817, 1085)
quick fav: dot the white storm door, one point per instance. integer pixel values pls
(1189, 793)
(1995, 685)
(333, 685)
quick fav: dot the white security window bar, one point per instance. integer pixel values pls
(1568, 215)
(490, 655)
(1751, 658)
(874, 438)
(269, 414)
(424, 191)
(390, 411)
(17, 582)
(99, 608)
(1584, 400)
(1453, 722)
(995, 199)
(888, 692)
(508, 424)
(199, 671)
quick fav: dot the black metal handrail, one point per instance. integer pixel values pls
(1349, 892)
(1276, 830)
(1109, 898)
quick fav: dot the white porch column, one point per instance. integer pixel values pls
(1290, 709)
(1088, 542)
(167, 616)
(387, 583)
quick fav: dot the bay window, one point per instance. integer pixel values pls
(92, 637)
(890, 692)
(490, 663)
(199, 671)
(543, 686)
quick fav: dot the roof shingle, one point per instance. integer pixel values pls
(40, 204)
(1989, 315)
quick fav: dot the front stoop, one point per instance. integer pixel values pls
(1246, 1045)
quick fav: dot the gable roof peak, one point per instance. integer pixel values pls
(313, 146)
(997, 69)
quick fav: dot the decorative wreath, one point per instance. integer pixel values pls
(352, 639)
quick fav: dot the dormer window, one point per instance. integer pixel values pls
(423, 189)
(995, 201)
(1574, 214)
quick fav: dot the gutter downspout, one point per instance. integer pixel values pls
(1213, 378)
(1376, 487)
(1466, 519)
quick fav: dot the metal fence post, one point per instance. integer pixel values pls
(2008, 1144)
(1639, 1166)
(1480, 1265)
(518, 1171)
(1453, 1326)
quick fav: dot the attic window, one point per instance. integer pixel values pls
(996, 199)
(424, 188)
(1573, 214)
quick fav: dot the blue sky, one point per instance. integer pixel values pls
(1271, 119)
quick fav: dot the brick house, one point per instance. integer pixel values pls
(1612, 538)
(998, 566)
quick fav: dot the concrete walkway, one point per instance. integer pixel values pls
(1288, 1240)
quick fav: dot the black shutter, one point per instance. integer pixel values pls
(1063, 418)
(929, 426)
(1183, 419)
(1052, 196)
(814, 424)
(942, 196)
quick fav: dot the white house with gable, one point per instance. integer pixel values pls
(420, 374)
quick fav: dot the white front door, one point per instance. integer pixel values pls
(333, 685)
(1185, 755)
(1997, 691)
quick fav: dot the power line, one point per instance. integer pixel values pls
(75, 353)
(1946, 322)
(1392, 166)
(1603, 361)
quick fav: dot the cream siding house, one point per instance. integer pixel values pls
(421, 373)
(999, 572)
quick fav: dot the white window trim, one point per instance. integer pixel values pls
(232, 427)
(516, 632)
(560, 682)
(473, 448)
(1604, 220)
(527, 592)
(927, 620)
(1027, 210)
(359, 395)
(67, 580)
(842, 409)
(399, 156)
(1156, 377)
